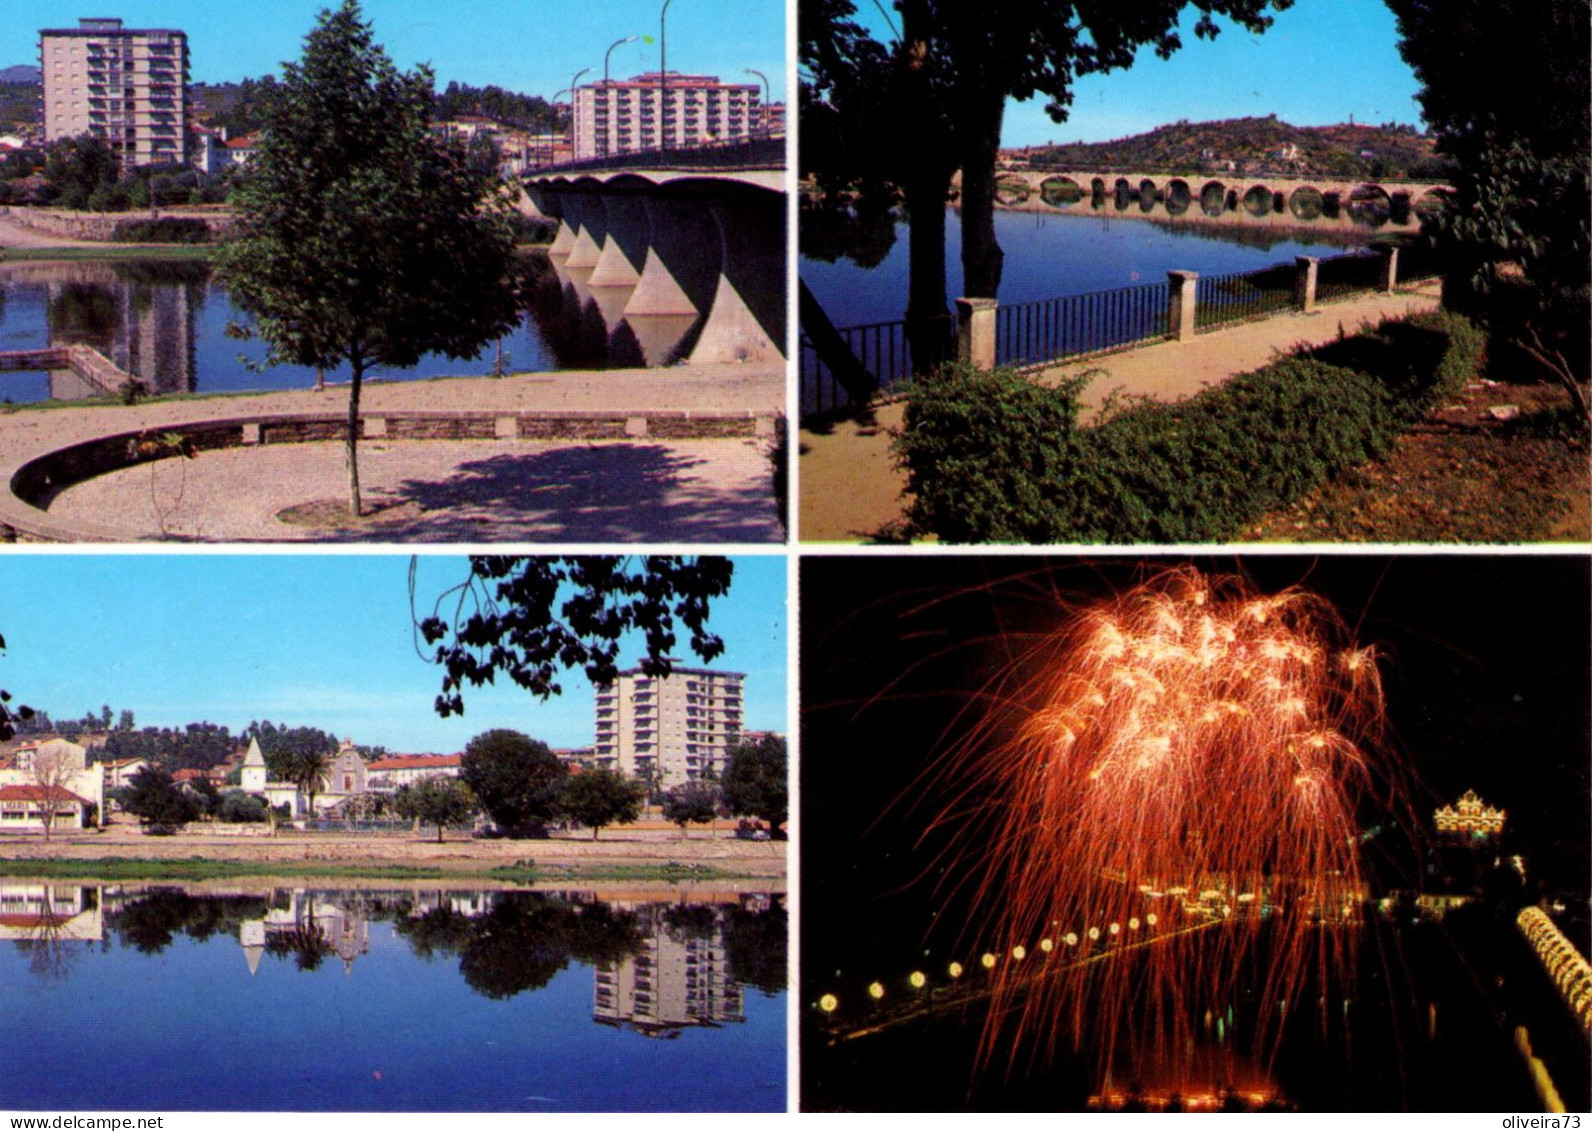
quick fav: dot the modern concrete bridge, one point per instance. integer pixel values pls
(689, 262)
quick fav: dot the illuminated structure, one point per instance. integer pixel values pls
(1191, 752)
(1470, 817)
(668, 730)
(1569, 969)
(127, 86)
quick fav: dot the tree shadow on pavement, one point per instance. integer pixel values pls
(600, 493)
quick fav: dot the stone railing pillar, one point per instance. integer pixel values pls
(975, 331)
(1305, 283)
(1390, 269)
(1180, 304)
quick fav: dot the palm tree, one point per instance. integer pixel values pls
(309, 769)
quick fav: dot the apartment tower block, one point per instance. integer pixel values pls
(125, 85)
(685, 110)
(669, 730)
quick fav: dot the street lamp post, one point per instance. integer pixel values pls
(552, 144)
(663, 79)
(762, 115)
(574, 108)
(606, 56)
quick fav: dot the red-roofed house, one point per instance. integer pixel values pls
(25, 806)
(388, 774)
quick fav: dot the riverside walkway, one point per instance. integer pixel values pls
(676, 454)
(850, 489)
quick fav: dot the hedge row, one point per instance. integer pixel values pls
(166, 229)
(992, 457)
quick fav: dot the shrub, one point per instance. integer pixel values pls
(993, 457)
(166, 229)
(982, 451)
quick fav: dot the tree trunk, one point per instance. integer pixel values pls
(928, 319)
(982, 258)
(595, 830)
(439, 832)
(351, 442)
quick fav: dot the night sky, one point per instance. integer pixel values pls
(1486, 674)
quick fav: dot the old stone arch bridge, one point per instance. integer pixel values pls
(1214, 194)
(688, 264)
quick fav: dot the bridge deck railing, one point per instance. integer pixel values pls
(758, 153)
(1061, 329)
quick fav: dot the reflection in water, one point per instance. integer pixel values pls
(405, 999)
(659, 966)
(165, 322)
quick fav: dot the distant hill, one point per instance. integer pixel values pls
(1254, 145)
(21, 74)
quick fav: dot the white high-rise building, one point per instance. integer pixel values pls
(128, 86)
(631, 115)
(671, 730)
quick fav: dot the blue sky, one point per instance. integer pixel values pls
(1320, 62)
(533, 46)
(318, 640)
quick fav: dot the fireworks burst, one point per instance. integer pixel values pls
(1168, 785)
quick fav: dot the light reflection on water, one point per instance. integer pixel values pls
(272, 998)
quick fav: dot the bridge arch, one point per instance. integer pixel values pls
(1370, 203)
(1258, 201)
(1060, 192)
(1011, 189)
(1213, 198)
(1178, 197)
(1306, 203)
(1432, 202)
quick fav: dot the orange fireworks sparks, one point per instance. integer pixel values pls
(1168, 786)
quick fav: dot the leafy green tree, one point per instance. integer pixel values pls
(597, 798)
(516, 778)
(362, 237)
(1514, 233)
(502, 618)
(239, 808)
(11, 717)
(756, 781)
(205, 797)
(157, 802)
(79, 167)
(694, 802)
(436, 800)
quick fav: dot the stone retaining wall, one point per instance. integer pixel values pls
(100, 227)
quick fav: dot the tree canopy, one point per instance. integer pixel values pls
(757, 780)
(595, 799)
(516, 778)
(1514, 232)
(362, 237)
(531, 618)
(10, 716)
(693, 802)
(156, 801)
(436, 800)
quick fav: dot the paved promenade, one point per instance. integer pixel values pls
(850, 490)
(434, 490)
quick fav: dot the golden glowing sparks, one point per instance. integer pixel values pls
(1188, 736)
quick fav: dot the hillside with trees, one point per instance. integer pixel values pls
(1256, 145)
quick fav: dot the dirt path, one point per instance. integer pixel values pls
(851, 490)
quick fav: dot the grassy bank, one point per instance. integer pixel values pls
(196, 868)
(106, 253)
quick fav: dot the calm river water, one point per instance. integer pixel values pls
(1048, 255)
(166, 322)
(318, 999)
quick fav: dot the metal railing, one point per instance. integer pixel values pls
(1053, 329)
(1344, 275)
(1220, 300)
(883, 350)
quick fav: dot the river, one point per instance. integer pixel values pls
(251, 997)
